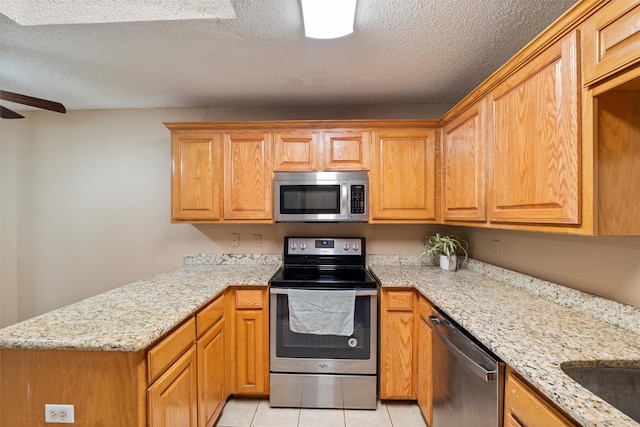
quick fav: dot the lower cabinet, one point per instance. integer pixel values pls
(187, 372)
(425, 360)
(525, 407)
(397, 344)
(250, 342)
(172, 398)
(212, 348)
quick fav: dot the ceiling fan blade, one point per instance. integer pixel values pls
(32, 102)
(5, 113)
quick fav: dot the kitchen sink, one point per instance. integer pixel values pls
(616, 382)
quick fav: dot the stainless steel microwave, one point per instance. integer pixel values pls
(321, 196)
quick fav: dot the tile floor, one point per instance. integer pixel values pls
(257, 413)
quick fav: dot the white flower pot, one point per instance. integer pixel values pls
(449, 264)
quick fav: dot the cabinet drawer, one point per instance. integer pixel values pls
(208, 316)
(611, 40)
(249, 299)
(523, 407)
(399, 300)
(167, 351)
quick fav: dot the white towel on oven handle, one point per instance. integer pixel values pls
(322, 312)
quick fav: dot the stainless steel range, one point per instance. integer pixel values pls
(323, 326)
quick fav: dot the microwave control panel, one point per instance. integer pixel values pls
(357, 199)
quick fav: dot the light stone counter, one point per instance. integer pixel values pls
(134, 316)
(531, 324)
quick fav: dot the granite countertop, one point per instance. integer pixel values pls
(533, 326)
(132, 317)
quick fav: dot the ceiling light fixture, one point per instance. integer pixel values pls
(328, 19)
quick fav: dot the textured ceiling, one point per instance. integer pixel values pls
(402, 52)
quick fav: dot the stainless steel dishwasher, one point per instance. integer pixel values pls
(468, 380)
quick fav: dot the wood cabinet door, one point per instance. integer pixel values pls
(295, 150)
(248, 176)
(250, 355)
(397, 380)
(425, 364)
(196, 177)
(402, 182)
(611, 40)
(346, 150)
(463, 153)
(173, 399)
(535, 147)
(212, 389)
(524, 407)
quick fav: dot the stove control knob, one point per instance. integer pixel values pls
(303, 246)
(293, 246)
(356, 246)
(346, 246)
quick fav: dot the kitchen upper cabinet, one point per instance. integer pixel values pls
(196, 178)
(296, 150)
(425, 364)
(250, 344)
(397, 344)
(463, 166)
(248, 176)
(610, 40)
(346, 150)
(321, 150)
(534, 146)
(402, 181)
(525, 407)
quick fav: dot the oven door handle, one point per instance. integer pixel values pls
(359, 292)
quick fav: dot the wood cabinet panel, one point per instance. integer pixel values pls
(611, 40)
(212, 379)
(173, 399)
(248, 176)
(196, 178)
(618, 156)
(249, 298)
(167, 351)
(425, 362)
(346, 150)
(535, 147)
(296, 150)
(402, 184)
(463, 166)
(525, 407)
(106, 388)
(250, 347)
(397, 361)
(208, 316)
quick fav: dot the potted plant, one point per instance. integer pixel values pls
(448, 247)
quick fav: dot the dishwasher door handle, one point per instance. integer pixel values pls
(487, 374)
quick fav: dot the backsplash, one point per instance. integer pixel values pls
(232, 259)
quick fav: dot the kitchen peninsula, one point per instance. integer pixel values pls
(549, 325)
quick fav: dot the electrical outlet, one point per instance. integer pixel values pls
(234, 240)
(62, 414)
(256, 240)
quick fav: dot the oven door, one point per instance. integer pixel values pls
(293, 352)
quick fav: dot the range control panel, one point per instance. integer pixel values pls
(322, 246)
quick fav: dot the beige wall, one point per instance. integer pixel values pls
(84, 208)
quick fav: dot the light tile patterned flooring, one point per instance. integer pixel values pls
(258, 413)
